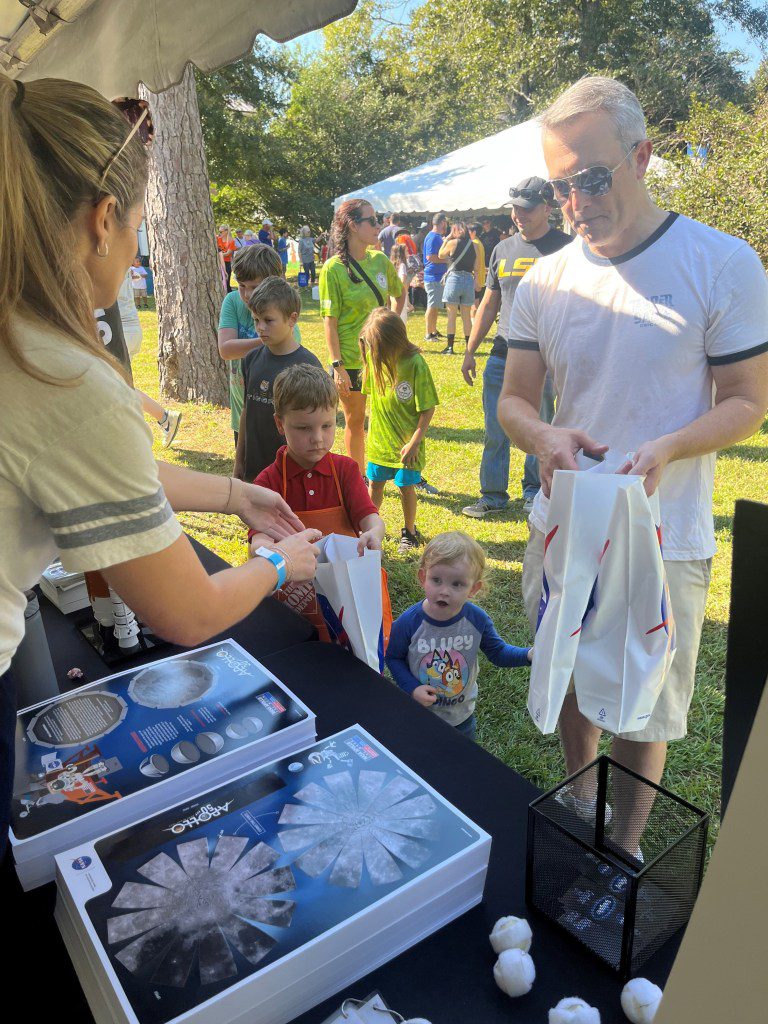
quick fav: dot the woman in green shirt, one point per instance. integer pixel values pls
(354, 281)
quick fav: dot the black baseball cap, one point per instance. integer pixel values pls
(527, 193)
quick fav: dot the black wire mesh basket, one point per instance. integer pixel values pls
(616, 861)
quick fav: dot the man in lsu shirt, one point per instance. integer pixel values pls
(510, 261)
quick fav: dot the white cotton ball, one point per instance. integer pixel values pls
(511, 933)
(640, 1000)
(514, 972)
(573, 1010)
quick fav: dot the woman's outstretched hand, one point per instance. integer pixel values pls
(267, 512)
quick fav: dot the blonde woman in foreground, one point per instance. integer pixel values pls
(77, 476)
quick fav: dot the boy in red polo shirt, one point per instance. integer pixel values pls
(325, 490)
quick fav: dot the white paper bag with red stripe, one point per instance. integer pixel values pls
(349, 594)
(580, 508)
(605, 615)
(627, 642)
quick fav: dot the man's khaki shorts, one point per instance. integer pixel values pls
(688, 586)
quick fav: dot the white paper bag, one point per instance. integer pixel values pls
(627, 643)
(350, 598)
(618, 678)
(580, 507)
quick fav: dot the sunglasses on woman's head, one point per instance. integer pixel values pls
(592, 181)
(136, 113)
(373, 221)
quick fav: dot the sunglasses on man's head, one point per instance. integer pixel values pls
(592, 181)
(531, 194)
(373, 221)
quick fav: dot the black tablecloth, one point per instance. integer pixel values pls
(448, 977)
(270, 627)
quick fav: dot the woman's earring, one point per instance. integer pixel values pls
(104, 254)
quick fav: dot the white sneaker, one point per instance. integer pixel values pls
(584, 809)
(171, 425)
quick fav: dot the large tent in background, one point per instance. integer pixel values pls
(474, 178)
(113, 45)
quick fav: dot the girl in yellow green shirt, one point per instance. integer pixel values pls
(403, 401)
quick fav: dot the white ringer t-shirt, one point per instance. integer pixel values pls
(630, 343)
(77, 475)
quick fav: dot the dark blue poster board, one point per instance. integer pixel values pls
(123, 734)
(200, 897)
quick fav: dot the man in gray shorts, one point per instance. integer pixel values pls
(636, 321)
(434, 272)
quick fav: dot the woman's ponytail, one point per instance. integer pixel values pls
(56, 139)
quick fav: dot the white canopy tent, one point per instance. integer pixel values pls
(113, 45)
(476, 177)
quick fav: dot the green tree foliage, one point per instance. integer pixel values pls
(727, 188)
(759, 84)
(381, 97)
(503, 60)
(237, 103)
(238, 204)
(345, 122)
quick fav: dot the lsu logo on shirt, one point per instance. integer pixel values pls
(520, 267)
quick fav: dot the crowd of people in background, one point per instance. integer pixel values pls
(367, 262)
(400, 238)
(305, 250)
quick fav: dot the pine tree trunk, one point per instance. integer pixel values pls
(182, 239)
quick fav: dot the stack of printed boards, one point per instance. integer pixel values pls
(67, 590)
(112, 752)
(260, 898)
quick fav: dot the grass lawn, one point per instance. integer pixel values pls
(205, 442)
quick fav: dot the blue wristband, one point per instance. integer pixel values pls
(277, 560)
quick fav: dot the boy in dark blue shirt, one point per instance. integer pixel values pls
(433, 647)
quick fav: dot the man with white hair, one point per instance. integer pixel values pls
(654, 328)
(266, 234)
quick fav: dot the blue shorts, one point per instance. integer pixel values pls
(434, 290)
(403, 477)
(459, 288)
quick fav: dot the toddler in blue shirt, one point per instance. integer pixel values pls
(433, 647)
